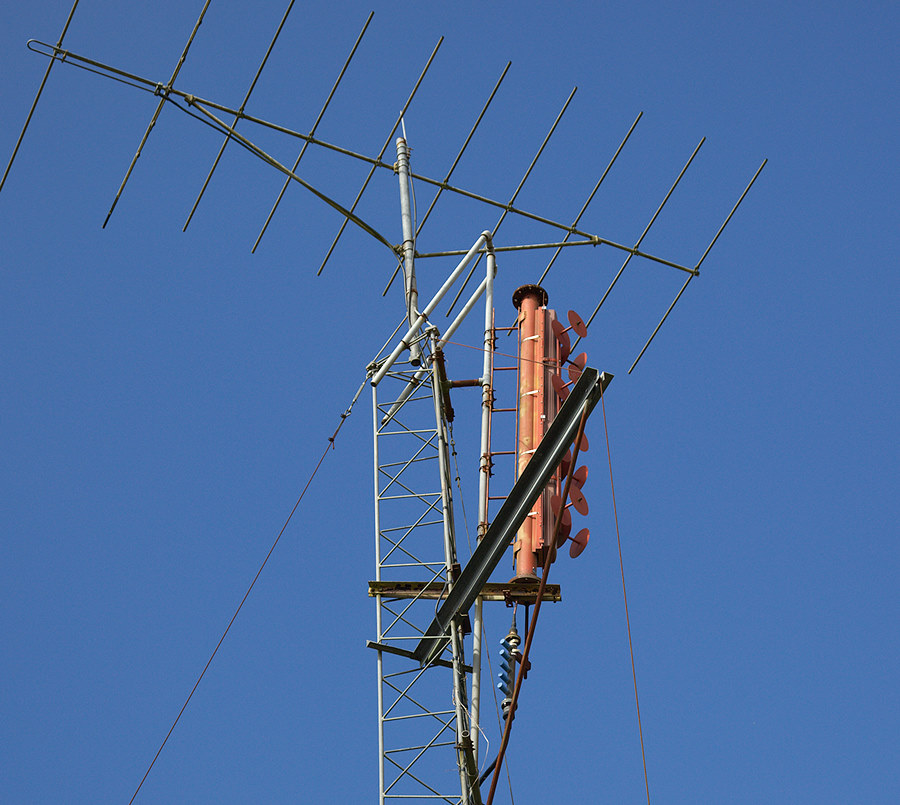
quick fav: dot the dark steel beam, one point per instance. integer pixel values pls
(492, 591)
(512, 514)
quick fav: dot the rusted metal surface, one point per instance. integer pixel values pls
(492, 591)
(528, 299)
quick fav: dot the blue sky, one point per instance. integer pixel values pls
(165, 395)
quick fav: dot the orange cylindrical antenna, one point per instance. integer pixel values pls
(528, 300)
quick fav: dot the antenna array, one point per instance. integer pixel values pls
(414, 509)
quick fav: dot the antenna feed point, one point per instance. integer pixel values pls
(530, 290)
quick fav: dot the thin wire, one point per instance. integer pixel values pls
(496, 352)
(246, 595)
(523, 664)
(459, 486)
(483, 633)
(625, 598)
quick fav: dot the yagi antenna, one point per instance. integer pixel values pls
(574, 236)
(201, 108)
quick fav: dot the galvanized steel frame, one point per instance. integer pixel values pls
(413, 502)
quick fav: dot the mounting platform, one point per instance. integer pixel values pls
(492, 591)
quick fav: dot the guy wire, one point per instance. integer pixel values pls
(309, 481)
(625, 598)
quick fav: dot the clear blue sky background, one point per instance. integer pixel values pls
(164, 396)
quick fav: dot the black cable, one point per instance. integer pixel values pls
(246, 595)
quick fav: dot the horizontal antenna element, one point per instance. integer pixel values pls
(237, 117)
(164, 93)
(38, 96)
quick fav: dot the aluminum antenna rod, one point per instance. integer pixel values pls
(697, 267)
(384, 148)
(465, 145)
(237, 117)
(312, 131)
(37, 97)
(515, 194)
(590, 198)
(453, 166)
(162, 101)
(643, 235)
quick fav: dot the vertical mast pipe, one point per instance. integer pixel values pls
(459, 689)
(409, 246)
(420, 320)
(487, 402)
(378, 624)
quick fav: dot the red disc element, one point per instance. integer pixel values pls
(565, 464)
(576, 366)
(577, 324)
(579, 477)
(584, 444)
(579, 542)
(555, 504)
(565, 528)
(560, 387)
(562, 338)
(579, 501)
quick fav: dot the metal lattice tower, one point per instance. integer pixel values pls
(424, 710)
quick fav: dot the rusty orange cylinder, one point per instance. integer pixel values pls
(529, 299)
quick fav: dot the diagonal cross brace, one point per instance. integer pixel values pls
(515, 508)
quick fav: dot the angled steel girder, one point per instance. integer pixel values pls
(515, 508)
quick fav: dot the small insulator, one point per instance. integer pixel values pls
(504, 675)
(512, 639)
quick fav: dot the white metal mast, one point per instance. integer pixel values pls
(422, 710)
